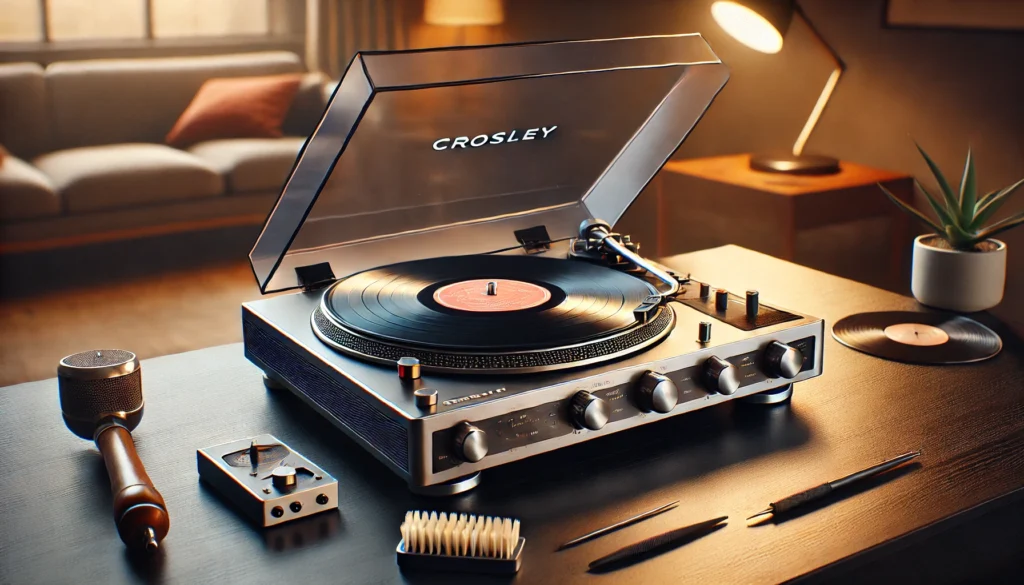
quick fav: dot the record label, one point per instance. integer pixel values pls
(917, 334)
(918, 338)
(508, 295)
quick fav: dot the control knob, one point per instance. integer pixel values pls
(721, 376)
(284, 478)
(470, 442)
(589, 411)
(656, 392)
(782, 361)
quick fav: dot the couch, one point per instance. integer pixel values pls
(87, 162)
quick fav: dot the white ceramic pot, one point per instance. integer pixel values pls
(958, 281)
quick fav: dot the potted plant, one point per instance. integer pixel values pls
(960, 266)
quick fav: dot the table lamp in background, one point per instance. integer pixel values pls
(463, 13)
(760, 25)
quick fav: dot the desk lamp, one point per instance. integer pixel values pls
(760, 25)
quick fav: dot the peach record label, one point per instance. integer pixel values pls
(508, 295)
(917, 334)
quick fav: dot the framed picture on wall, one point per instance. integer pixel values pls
(966, 14)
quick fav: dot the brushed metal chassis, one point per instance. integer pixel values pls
(286, 318)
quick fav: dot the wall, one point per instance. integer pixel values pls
(944, 88)
(287, 28)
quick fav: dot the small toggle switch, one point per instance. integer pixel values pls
(704, 332)
(752, 305)
(408, 368)
(721, 300)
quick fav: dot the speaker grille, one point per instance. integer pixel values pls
(98, 358)
(89, 399)
(386, 435)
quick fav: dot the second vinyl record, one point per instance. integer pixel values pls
(918, 338)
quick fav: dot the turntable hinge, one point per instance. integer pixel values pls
(534, 239)
(315, 276)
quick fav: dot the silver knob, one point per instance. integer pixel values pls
(284, 478)
(782, 361)
(657, 392)
(470, 442)
(426, 398)
(408, 368)
(589, 411)
(721, 376)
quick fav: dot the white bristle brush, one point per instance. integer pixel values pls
(459, 535)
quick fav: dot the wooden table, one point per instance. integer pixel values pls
(55, 524)
(824, 221)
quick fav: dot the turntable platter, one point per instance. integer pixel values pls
(490, 313)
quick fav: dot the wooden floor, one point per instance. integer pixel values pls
(152, 316)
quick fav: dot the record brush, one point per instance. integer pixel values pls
(806, 496)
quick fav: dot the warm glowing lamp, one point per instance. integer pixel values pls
(761, 25)
(463, 12)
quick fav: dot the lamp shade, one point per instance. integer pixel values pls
(758, 24)
(463, 12)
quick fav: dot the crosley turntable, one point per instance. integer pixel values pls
(462, 303)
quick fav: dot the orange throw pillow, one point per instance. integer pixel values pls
(236, 107)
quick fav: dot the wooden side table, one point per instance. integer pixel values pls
(719, 200)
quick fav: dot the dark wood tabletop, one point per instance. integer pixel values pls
(56, 527)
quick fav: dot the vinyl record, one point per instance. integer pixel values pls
(490, 313)
(918, 338)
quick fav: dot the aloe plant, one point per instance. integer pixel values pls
(962, 216)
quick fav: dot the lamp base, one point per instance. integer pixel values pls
(795, 165)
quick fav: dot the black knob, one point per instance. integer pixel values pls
(470, 442)
(721, 376)
(705, 290)
(589, 411)
(721, 300)
(752, 305)
(704, 332)
(782, 361)
(656, 392)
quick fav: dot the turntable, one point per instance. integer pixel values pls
(461, 300)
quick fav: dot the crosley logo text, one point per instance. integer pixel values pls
(496, 138)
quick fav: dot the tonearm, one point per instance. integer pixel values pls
(596, 240)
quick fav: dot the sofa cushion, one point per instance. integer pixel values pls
(112, 101)
(308, 106)
(25, 192)
(251, 164)
(24, 123)
(238, 107)
(108, 177)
